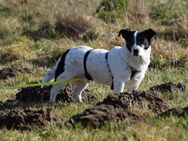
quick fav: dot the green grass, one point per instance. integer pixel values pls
(152, 129)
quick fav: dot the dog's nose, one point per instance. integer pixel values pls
(135, 52)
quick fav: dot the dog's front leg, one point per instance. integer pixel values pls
(118, 85)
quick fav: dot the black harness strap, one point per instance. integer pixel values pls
(87, 75)
(106, 57)
(133, 73)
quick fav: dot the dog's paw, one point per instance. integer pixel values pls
(52, 101)
(79, 100)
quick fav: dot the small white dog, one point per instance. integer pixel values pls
(121, 67)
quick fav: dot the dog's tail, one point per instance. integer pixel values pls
(50, 75)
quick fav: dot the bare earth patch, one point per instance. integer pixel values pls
(152, 100)
(113, 108)
(117, 108)
(100, 115)
(38, 94)
(175, 112)
(169, 87)
(12, 72)
(26, 119)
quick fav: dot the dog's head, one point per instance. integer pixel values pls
(137, 42)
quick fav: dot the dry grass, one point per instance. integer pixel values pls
(78, 27)
(17, 51)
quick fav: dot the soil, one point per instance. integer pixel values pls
(113, 108)
(169, 87)
(38, 94)
(175, 112)
(99, 115)
(117, 108)
(12, 72)
(8, 104)
(26, 119)
(149, 99)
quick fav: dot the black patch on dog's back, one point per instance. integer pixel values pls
(60, 66)
(87, 75)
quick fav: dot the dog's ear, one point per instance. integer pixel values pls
(125, 33)
(149, 34)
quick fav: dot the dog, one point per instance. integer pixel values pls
(121, 67)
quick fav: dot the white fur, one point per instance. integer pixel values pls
(120, 59)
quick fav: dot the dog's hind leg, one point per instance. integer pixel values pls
(56, 88)
(80, 86)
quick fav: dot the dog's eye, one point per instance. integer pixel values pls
(143, 42)
(146, 44)
(140, 41)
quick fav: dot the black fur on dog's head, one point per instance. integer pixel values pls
(137, 40)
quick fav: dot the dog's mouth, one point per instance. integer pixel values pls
(135, 54)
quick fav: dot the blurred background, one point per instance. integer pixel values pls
(45, 25)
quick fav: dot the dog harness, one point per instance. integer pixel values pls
(133, 72)
(87, 75)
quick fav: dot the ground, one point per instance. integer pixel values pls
(34, 34)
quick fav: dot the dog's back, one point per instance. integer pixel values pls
(75, 56)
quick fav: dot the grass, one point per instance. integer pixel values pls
(18, 49)
(153, 129)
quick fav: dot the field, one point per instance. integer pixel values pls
(33, 34)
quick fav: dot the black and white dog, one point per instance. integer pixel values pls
(121, 67)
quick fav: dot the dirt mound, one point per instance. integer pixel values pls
(8, 104)
(99, 115)
(11, 72)
(117, 108)
(1, 105)
(175, 112)
(27, 119)
(38, 94)
(152, 100)
(168, 87)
